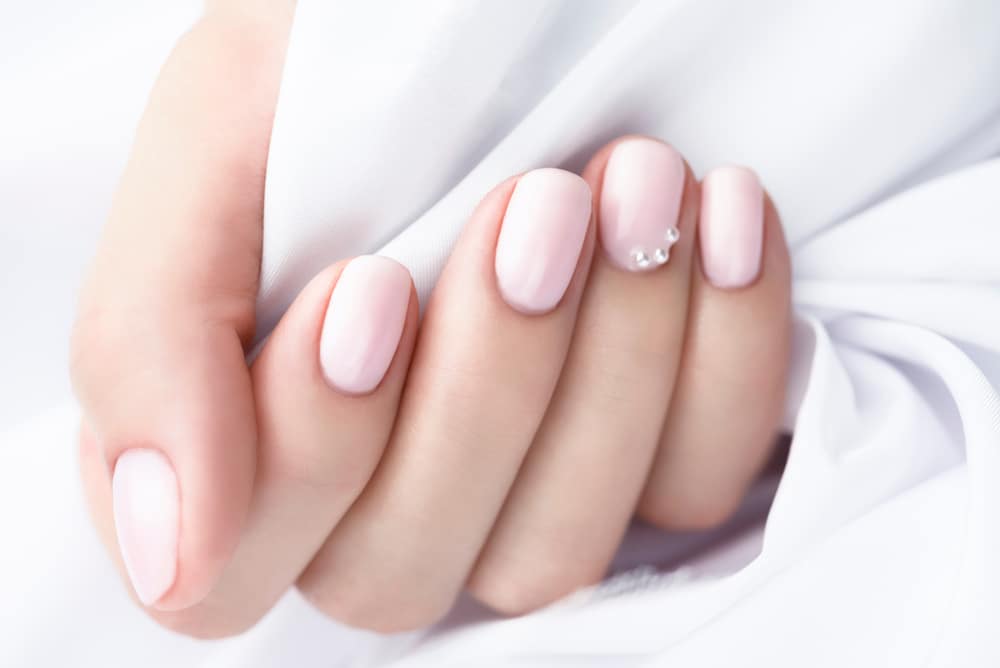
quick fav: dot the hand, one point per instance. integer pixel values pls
(559, 382)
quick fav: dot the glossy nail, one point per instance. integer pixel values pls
(731, 228)
(364, 322)
(640, 202)
(146, 504)
(541, 238)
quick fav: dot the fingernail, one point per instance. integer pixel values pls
(640, 203)
(541, 239)
(146, 505)
(364, 322)
(731, 228)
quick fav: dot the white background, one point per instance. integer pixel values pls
(73, 81)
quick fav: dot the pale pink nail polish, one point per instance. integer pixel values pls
(146, 503)
(731, 228)
(364, 322)
(640, 203)
(541, 238)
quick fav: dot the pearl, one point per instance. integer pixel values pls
(640, 258)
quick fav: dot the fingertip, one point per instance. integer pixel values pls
(146, 506)
(640, 204)
(731, 229)
(363, 323)
(541, 239)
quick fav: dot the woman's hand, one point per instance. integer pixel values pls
(564, 378)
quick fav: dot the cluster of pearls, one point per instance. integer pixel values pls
(643, 260)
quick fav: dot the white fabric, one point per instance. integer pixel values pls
(872, 124)
(73, 80)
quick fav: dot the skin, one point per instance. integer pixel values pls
(502, 453)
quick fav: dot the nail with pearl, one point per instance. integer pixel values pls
(640, 203)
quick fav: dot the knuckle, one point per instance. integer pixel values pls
(103, 354)
(95, 341)
(512, 590)
(342, 471)
(686, 510)
(201, 623)
(508, 598)
(381, 609)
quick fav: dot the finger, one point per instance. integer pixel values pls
(168, 308)
(579, 484)
(491, 345)
(327, 386)
(727, 407)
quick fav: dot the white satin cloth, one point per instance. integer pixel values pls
(876, 128)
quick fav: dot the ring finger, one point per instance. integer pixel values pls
(576, 493)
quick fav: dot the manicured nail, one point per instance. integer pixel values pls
(731, 228)
(146, 505)
(640, 203)
(541, 239)
(364, 322)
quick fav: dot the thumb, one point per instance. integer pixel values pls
(167, 310)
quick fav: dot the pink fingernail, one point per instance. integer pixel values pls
(541, 239)
(640, 202)
(364, 322)
(731, 228)
(146, 504)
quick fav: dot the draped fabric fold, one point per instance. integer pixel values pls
(872, 125)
